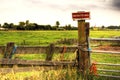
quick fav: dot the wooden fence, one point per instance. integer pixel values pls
(43, 49)
(49, 51)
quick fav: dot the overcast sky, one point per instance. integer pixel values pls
(103, 12)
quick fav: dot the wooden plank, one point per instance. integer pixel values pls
(106, 70)
(108, 52)
(108, 64)
(31, 49)
(58, 49)
(43, 49)
(110, 76)
(36, 62)
(105, 39)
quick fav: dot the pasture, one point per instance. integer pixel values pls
(47, 37)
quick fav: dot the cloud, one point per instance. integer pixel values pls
(67, 5)
(90, 5)
(116, 4)
(52, 10)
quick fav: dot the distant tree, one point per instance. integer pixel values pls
(48, 27)
(91, 28)
(57, 24)
(31, 26)
(27, 22)
(36, 26)
(103, 27)
(53, 27)
(68, 27)
(118, 27)
(11, 26)
(21, 26)
(74, 28)
(5, 25)
(27, 25)
(21, 23)
(15, 27)
(113, 27)
(8, 26)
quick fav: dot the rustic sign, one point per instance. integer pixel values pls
(82, 15)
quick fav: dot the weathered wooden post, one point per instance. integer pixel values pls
(50, 52)
(9, 50)
(82, 53)
(87, 26)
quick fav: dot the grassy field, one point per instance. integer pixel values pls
(46, 37)
(62, 74)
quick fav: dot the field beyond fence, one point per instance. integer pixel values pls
(47, 37)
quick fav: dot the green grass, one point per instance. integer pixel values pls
(104, 34)
(106, 58)
(34, 37)
(62, 74)
(30, 56)
(46, 37)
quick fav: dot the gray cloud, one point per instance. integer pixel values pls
(95, 4)
(116, 4)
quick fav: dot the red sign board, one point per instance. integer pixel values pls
(81, 15)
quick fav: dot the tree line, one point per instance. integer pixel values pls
(34, 26)
(105, 27)
(113, 27)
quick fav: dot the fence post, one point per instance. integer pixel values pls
(87, 28)
(83, 56)
(50, 52)
(82, 53)
(9, 50)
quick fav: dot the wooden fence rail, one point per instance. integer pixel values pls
(110, 77)
(57, 49)
(107, 52)
(108, 64)
(106, 39)
(106, 70)
(35, 62)
(45, 63)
